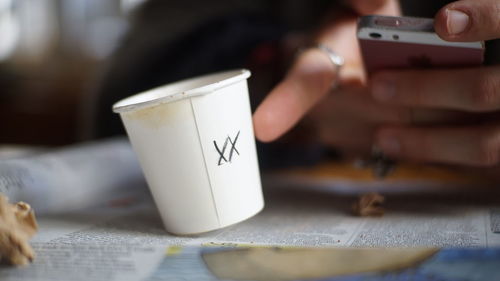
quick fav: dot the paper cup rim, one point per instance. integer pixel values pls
(204, 84)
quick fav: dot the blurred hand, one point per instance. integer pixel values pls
(347, 118)
(443, 116)
(310, 78)
(473, 91)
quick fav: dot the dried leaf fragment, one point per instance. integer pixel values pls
(17, 226)
(369, 205)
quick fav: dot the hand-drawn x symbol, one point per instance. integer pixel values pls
(222, 156)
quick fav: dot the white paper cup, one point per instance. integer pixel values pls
(196, 146)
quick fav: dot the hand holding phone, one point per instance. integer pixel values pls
(455, 85)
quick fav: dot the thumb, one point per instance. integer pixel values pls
(469, 20)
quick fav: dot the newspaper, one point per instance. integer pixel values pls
(295, 218)
(127, 241)
(122, 237)
(72, 178)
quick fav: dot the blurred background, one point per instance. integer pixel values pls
(50, 52)
(63, 63)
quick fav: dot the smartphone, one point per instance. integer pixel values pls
(408, 42)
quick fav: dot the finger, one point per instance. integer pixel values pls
(348, 119)
(307, 82)
(380, 7)
(474, 89)
(469, 20)
(355, 103)
(476, 146)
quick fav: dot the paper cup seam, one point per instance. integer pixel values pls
(205, 162)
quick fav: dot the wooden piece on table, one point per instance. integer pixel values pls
(17, 226)
(369, 205)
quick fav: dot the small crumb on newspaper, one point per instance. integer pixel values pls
(17, 226)
(369, 205)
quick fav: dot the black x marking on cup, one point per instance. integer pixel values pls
(222, 152)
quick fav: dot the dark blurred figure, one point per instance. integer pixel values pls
(173, 40)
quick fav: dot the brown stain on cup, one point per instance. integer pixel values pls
(159, 115)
